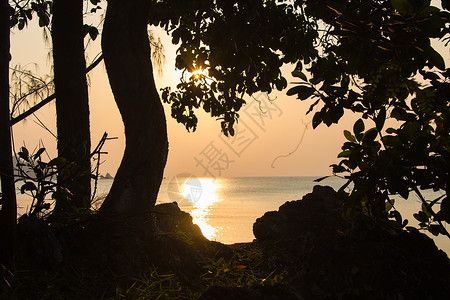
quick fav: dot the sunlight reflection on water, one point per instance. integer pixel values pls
(202, 193)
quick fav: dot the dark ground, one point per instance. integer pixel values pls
(303, 251)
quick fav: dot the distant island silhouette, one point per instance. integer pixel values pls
(107, 176)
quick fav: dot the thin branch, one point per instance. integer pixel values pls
(32, 110)
(296, 147)
(35, 108)
(40, 123)
(430, 210)
(94, 63)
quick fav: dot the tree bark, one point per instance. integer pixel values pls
(8, 211)
(72, 105)
(126, 51)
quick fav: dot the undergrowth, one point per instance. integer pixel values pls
(241, 269)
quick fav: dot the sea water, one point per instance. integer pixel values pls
(226, 208)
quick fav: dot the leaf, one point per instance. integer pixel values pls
(434, 58)
(281, 84)
(93, 32)
(44, 20)
(345, 81)
(303, 92)
(435, 229)
(391, 130)
(400, 114)
(421, 217)
(57, 162)
(349, 136)
(336, 112)
(338, 169)
(391, 141)
(21, 24)
(358, 128)
(380, 119)
(292, 91)
(411, 229)
(38, 153)
(24, 154)
(317, 119)
(445, 209)
(299, 74)
(320, 179)
(29, 14)
(398, 217)
(370, 135)
(28, 186)
(240, 267)
(345, 153)
(426, 211)
(405, 222)
(389, 204)
(427, 11)
(412, 129)
(403, 6)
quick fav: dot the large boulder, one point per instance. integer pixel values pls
(327, 258)
(319, 211)
(170, 218)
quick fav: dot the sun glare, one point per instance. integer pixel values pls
(199, 73)
(202, 193)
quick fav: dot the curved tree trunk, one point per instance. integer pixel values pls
(126, 51)
(8, 211)
(72, 105)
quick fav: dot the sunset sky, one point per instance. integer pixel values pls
(267, 130)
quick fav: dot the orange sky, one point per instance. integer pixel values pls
(261, 137)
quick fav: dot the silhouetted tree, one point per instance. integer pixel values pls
(8, 194)
(242, 44)
(126, 52)
(72, 106)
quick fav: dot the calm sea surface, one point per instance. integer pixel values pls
(226, 208)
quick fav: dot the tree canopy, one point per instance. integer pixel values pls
(238, 46)
(378, 60)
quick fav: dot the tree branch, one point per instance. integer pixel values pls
(35, 108)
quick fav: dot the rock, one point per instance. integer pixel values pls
(170, 218)
(327, 258)
(319, 210)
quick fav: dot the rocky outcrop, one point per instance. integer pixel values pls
(318, 212)
(170, 218)
(325, 258)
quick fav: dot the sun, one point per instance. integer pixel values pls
(199, 73)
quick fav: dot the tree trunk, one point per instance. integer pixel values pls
(8, 211)
(126, 51)
(72, 105)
